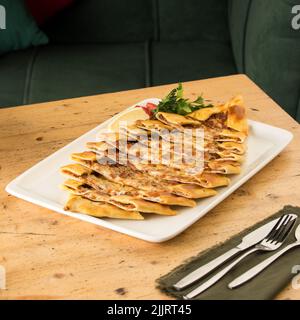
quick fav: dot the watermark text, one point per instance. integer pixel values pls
(2, 18)
(296, 18)
(134, 146)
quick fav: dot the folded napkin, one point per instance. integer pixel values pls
(264, 286)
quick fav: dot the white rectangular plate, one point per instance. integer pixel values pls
(40, 184)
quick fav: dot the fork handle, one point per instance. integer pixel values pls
(205, 269)
(251, 273)
(217, 276)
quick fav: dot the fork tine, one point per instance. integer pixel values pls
(281, 229)
(286, 231)
(270, 236)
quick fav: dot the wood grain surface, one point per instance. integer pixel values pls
(50, 256)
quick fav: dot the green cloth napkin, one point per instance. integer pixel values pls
(264, 286)
(21, 30)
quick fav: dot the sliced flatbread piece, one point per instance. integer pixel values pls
(134, 133)
(205, 113)
(143, 206)
(227, 155)
(193, 191)
(230, 135)
(176, 120)
(188, 176)
(185, 125)
(231, 115)
(234, 147)
(98, 182)
(122, 201)
(152, 125)
(99, 209)
(236, 117)
(145, 177)
(224, 167)
(127, 176)
(98, 146)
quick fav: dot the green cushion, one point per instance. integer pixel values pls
(66, 71)
(267, 48)
(21, 30)
(238, 18)
(94, 21)
(273, 52)
(193, 20)
(14, 70)
(183, 61)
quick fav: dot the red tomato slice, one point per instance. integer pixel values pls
(148, 108)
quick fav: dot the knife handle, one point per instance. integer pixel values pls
(214, 279)
(251, 273)
(204, 270)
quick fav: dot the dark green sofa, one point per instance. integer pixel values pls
(99, 46)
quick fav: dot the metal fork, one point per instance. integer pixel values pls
(272, 242)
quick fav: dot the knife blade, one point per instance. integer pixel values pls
(247, 242)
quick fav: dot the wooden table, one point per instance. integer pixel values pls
(51, 256)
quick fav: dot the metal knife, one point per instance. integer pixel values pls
(247, 242)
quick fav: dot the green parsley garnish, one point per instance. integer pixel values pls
(175, 103)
